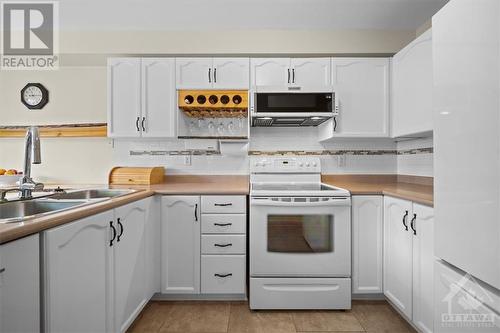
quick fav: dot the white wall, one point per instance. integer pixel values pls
(415, 164)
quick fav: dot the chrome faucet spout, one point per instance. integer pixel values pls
(32, 155)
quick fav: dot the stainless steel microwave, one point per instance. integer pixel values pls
(292, 108)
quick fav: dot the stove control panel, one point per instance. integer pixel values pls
(285, 165)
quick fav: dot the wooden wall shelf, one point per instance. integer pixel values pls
(54, 131)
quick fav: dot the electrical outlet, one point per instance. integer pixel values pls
(341, 161)
(187, 159)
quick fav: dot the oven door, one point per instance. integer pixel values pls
(300, 237)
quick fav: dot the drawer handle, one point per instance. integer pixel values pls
(223, 275)
(223, 204)
(223, 224)
(223, 245)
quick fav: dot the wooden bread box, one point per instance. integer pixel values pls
(136, 175)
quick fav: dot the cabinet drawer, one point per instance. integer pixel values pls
(223, 274)
(223, 223)
(223, 204)
(223, 244)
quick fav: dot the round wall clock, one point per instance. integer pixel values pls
(34, 96)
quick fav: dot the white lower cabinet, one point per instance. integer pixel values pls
(367, 244)
(203, 244)
(20, 286)
(95, 278)
(409, 260)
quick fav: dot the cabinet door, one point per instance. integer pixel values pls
(159, 98)
(367, 235)
(398, 254)
(181, 229)
(270, 72)
(423, 267)
(311, 72)
(231, 73)
(78, 276)
(412, 88)
(362, 88)
(124, 97)
(20, 286)
(194, 73)
(130, 278)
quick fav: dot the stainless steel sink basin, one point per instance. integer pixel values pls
(90, 194)
(19, 210)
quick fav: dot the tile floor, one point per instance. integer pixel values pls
(218, 317)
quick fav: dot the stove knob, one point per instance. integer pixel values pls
(301, 164)
(314, 164)
(307, 164)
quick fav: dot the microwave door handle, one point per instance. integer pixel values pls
(332, 202)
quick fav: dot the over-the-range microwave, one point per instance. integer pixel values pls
(291, 107)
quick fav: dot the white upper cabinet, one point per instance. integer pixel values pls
(231, 73)
(367, 244)
(270, 72)
(141, 98)
(194, 73)
(294, 73)
(124, 97)
(159, 98)
(398, 254)
(311, 72)
(212, 73)
(412, 88)
(181, 232)
(361, 87)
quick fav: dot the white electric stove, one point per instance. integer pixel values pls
(300, 237)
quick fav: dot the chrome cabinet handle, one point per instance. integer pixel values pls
(412, 224)
(196, 212)
(113, 229)
(293, 75)
(335, 123)
(223, 224)
(404, 220)
(143, 125)
(223, 275)
(288, 75)
(223, 245)
(223, 204)
(210, 75)
(215, 75)
(137, 124)
(121, 230)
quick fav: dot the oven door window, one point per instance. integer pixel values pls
(300, 233)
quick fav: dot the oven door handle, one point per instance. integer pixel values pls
(275, 203)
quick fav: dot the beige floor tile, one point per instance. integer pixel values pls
(151, 319)
(326, 321)
(243, 320)
(198, 317)
(379, 317)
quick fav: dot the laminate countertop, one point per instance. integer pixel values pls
(212, 185)
(416, 189)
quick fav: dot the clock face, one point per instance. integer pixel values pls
(34, 96)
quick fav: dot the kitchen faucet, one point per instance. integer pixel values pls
(31, 156)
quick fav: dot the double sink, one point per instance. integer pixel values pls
(18, 211)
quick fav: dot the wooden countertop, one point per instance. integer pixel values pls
(416, 189)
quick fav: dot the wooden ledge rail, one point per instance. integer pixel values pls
(66, 130)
